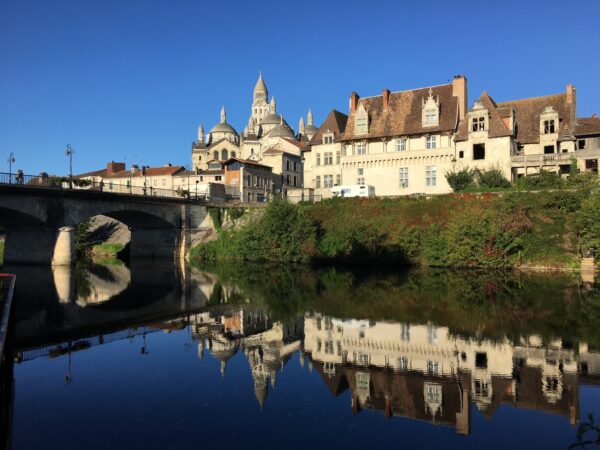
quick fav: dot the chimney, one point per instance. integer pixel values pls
(572, 100)
(459, 90)
(353, 102)
(114, 167)
(386, 99)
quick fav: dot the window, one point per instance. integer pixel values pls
(548, 149)
(295, 180)
(217, 178)
(432, 334)
(249, 196)
(233, 154)
(361, 148)
(434, 393)
(402, 363)
(361, 125)
(431, 117)
(248, 180)
(478, 124)
(478, 151)
(295, 166)
(405, 332)
(328, 181)
(287, 180)
(433, 367)
(338, 180)
(317, 182)
(338, 156)
(431, 142)
(400, 145)
(224, 155)
(318, 159)
(363, 358)
(403, 177)
(481, 389)
(328, 159)
(216, 154)
(461, 154)
(328, 139)
(551, 384)
(549, 126)
(481, 360)
(430, 175)
(361, 181)
(287, 165)
(581, 144)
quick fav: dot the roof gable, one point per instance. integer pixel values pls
(334, 122)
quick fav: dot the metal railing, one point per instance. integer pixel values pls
(54, 182)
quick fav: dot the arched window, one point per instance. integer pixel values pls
(224, 155)
(233, 154)
(216, 154)
(200, 158)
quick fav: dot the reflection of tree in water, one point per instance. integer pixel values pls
(588, 435)
(82, 281)
(490, 304)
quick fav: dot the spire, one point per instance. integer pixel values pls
(260, 90)
(310, 117)
(301, 125)
(200, 134)
(223, 115)
(272, 106)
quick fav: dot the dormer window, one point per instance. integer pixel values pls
(431, 110)
(549, 127)
(328, 138)
(478, 124)
(361, 125)
(548, 121)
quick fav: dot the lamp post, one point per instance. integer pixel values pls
(69, 152)
(144, 169)
(10, 160)
(197, 181)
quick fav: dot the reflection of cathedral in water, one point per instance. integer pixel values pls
(267, 345)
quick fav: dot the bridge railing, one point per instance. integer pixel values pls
(54, 182)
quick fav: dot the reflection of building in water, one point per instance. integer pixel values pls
(268, 346)
(424, 372)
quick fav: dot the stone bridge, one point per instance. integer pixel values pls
(39, 223)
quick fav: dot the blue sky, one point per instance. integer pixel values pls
(130, 80)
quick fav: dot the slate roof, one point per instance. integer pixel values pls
(247, 162)
(404, 114)
(527, 115)
(336, 123)
(587, 126)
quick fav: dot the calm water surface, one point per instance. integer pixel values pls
(150, 357)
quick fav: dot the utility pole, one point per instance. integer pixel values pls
(69, 152)
(10, 160)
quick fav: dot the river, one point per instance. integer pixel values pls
(151, 356)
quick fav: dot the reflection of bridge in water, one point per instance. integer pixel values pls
(417, 371)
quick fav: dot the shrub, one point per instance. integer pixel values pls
(459, 180)
(587, 221)
(544, 180)
(492, 179)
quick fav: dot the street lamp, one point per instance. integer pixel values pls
(10, 160)
(69, 152)
(144, 169)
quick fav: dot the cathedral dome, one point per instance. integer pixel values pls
(281, 130)
(223, 127)
(310, 130)
(223, 130)
(272, 119)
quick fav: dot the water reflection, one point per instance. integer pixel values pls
(423, 346)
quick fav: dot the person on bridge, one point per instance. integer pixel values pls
(19, 177)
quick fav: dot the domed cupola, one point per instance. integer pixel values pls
(223, 130)
(281, 130)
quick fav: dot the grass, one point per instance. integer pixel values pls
(106, 251)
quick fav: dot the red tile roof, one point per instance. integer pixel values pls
(150, 172)
(587, 126)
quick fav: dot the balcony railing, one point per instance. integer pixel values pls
(542, 159)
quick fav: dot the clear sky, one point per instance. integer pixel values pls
(130, 80)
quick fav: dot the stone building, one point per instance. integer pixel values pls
(267, 139)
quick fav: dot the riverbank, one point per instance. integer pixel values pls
(547, 230)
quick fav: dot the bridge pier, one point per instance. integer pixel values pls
(64, 249)
(29, 245)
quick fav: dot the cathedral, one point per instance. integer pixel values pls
(267, 139)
